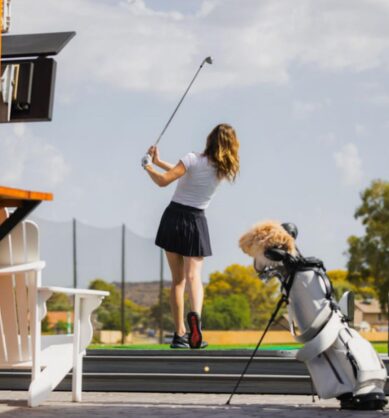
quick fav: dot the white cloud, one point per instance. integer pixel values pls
(131, 46)
(28, 161)
(302, 110)
(361, 130)
(349, 164)
(374, 92)
(380, 99)
(327, 138)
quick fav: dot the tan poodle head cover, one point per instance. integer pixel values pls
(266, 235)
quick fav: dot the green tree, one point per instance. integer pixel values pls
(368, 255)
(45, 325)
(341, 283)
(167, 320)
(109, 312)
(60, 327)
(59, 302)
(114, 295)
(231, 312)
(138, 315)
(243, 281)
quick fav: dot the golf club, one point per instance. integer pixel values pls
(281, 301)
(207, 60)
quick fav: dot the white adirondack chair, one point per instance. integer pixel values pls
(23, 306)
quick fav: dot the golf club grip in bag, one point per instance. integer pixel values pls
(341, 363)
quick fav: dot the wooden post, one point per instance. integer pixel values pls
(161, 297)
(74, 253)
(123, 325)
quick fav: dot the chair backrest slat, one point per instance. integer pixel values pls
(32, 241)
(18, 244)
(9, 318)
(5, 243)
(16, 292)
(3, 344)
(23, 315)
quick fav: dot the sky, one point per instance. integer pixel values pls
(304, 83)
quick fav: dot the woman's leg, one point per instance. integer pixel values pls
(192, 272)
(176, 264)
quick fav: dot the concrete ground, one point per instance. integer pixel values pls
(115, 405)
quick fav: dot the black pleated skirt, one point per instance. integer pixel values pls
(184, 230)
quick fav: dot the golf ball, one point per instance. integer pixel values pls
(206, 369)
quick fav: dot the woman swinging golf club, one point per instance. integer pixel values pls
(183, 231)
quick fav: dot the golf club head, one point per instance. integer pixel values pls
(291, 229)
(208, 60)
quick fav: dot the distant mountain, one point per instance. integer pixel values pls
(143, 293)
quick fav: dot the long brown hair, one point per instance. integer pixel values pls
(222, 150)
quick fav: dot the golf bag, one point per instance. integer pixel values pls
(340, 362)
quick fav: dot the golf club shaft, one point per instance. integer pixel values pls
(278, 307)
(179, 103)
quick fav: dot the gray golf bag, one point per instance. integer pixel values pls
(341, 363)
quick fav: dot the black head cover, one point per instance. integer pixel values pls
(276, 254)
(291, 229)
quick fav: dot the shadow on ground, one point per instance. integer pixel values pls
(18, 409)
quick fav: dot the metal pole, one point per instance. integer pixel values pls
(123, 283)
(387, 309)
(161, 297)
(74, 253)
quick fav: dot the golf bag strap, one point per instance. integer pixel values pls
(323, 340)
(315, 326)
(309, 263)
(326, 281)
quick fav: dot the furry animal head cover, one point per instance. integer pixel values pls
(264, 235)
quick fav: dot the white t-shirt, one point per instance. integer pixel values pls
(198, 185)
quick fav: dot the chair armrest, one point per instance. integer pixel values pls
(94, 297)
(85, 302)
(22, 268)
(70, 291)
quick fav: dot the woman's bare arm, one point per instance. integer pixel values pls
(163, 164)
(164, 179)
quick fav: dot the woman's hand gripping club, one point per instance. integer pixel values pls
(152, 156)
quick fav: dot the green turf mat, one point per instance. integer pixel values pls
(381, 347)
(211, 347)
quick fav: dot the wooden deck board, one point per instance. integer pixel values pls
(8, 194)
